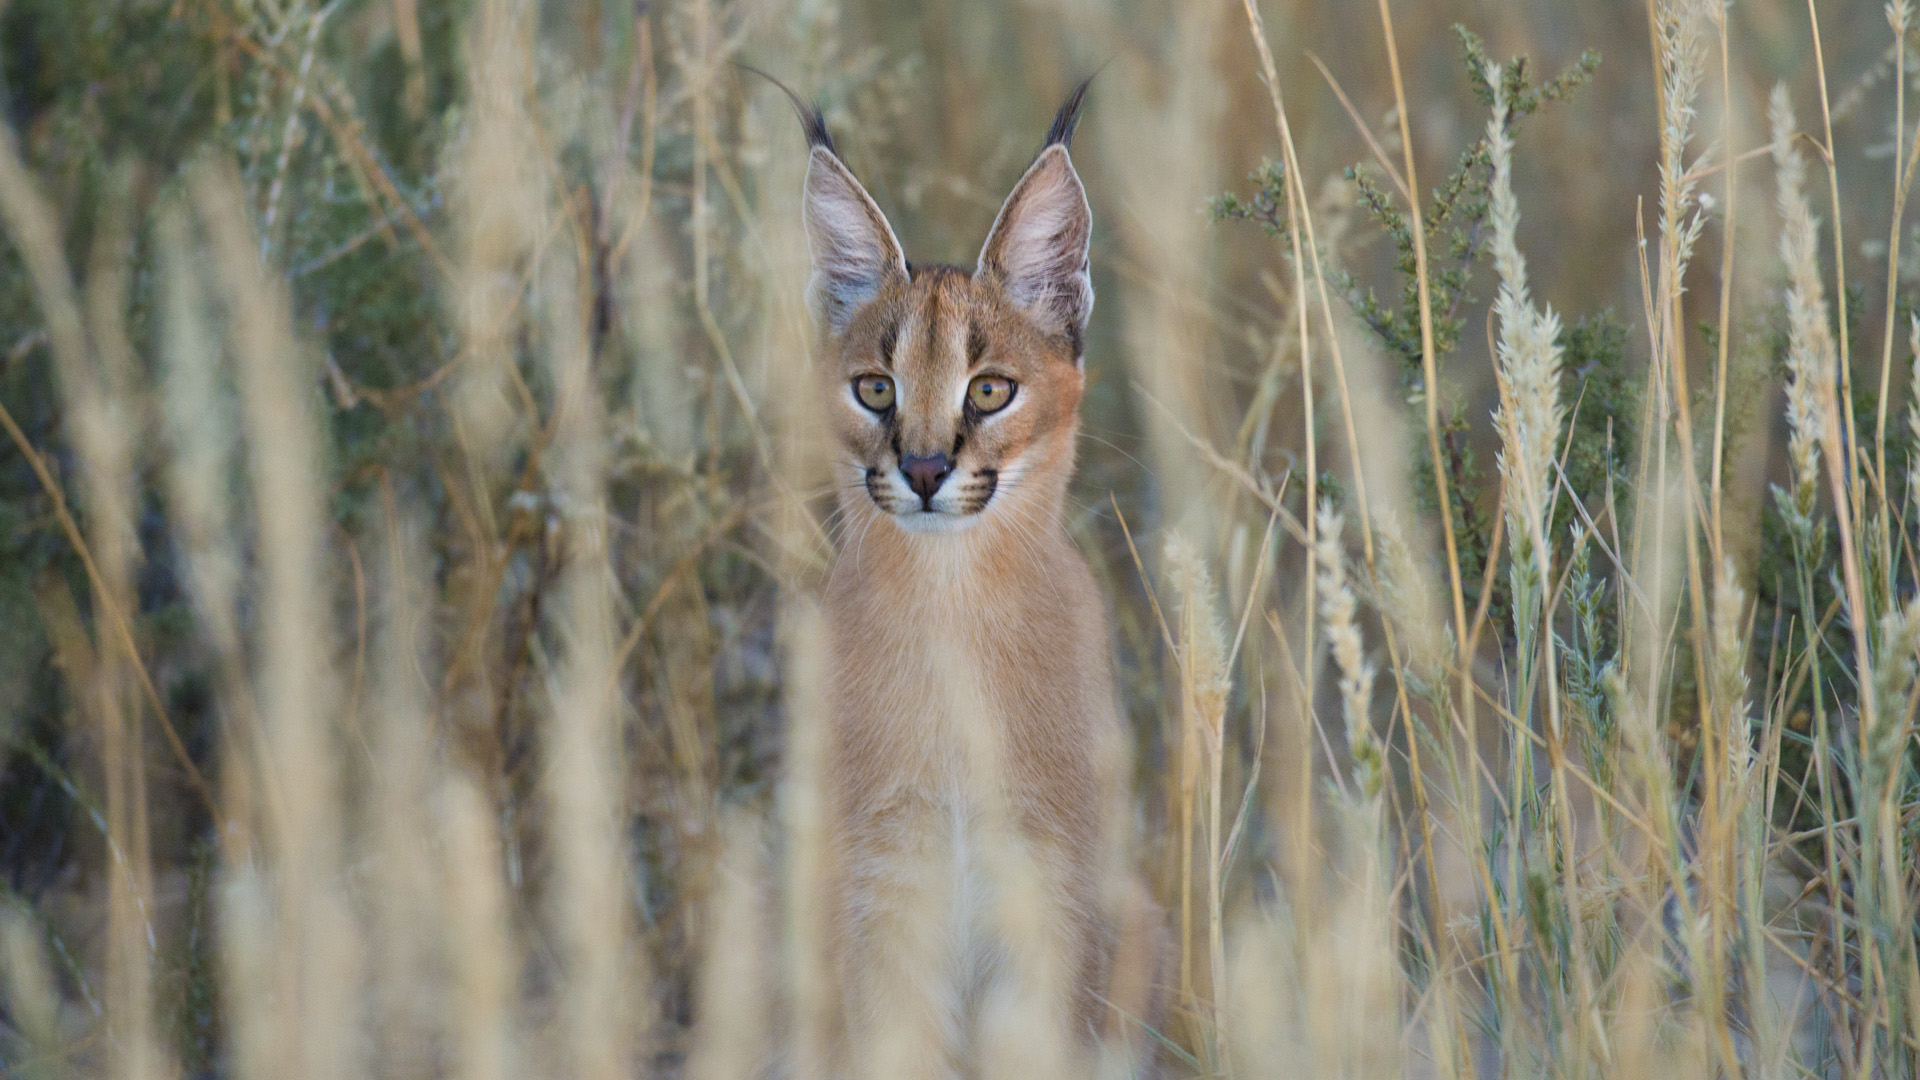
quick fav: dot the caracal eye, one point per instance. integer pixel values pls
(874, 391)
(990, 393)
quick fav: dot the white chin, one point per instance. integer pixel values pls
(934, 521)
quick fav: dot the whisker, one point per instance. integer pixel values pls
(1144, 467)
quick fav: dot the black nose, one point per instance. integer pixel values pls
(924, 473)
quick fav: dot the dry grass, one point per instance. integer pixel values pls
(475, 727)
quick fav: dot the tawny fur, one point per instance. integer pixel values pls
(975, 725)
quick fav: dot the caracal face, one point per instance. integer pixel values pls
(945, 398)
(952, 391)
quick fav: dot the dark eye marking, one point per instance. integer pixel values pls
(888, 340)
(976, 343)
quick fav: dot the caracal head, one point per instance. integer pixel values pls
(953, 393)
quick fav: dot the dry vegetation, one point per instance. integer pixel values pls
(411, 510)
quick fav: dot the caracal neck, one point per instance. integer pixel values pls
(1007, 553)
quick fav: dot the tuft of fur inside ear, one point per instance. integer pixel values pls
(855, 253)
(1037, 251)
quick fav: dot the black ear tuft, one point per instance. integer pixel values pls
(1064, 121)
(811, 121)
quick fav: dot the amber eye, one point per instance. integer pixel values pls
(990, 393)
(874, 391)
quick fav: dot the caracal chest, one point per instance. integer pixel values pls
(937, 741)
(939, 698)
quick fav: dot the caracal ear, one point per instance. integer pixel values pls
(855, 253)
(854, 250)
(1037, 251)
